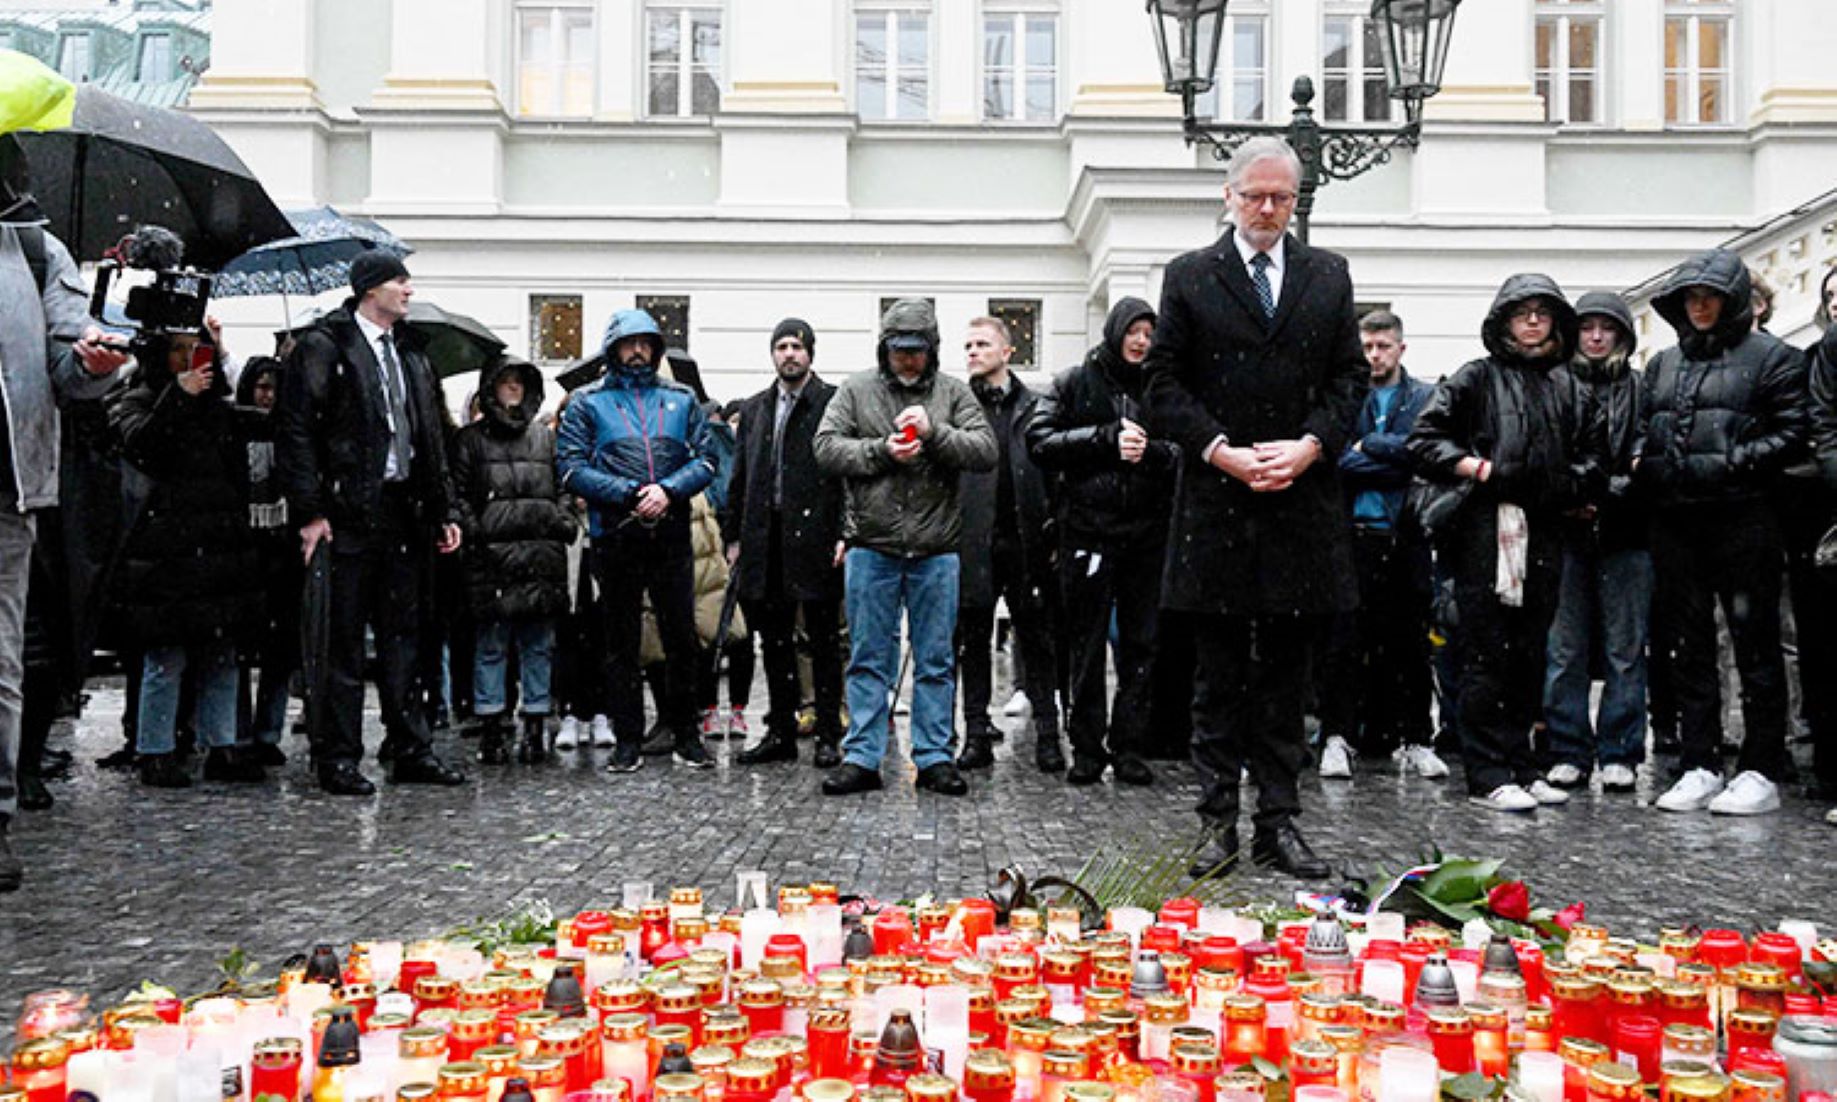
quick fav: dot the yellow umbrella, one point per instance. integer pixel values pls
(32, 96)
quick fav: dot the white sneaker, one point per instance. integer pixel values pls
(1618, 778)
(1692, 792)
(1336, 759)
(1546, 793)
(602, 733)
(1748, 794)
(568, 737)
(1831, 816)
(1423, 760)
(1507, 797)
(1564, 775)
(1017, 705)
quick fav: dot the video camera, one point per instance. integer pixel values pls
(174, 303)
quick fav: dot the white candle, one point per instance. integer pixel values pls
(1540, 1076)
(750, 890)
(947, 1025)
(1245, 929)
(1319, 1094)
(825, 935)
(89, 1071)
(1383, 980)
(1801, 931)
(1408, 1074)
(385, 963)
(757, 928)
(1466, 978)
(899, 996)
(1384, 926)
(1213, 919)
(1131, 921)
(635, 894)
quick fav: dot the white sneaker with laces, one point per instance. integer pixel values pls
(1017, 705)
(1692, 792)
(602, 733)
(1336, 759)
(1618, 778)
(1564, 775)
(568, 737)
(1546, 793)
(1507, 797)
(1424, 761)
(1831, 816)
(1748, 794)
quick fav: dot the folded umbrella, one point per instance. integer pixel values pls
(316, 641)
(315, 260)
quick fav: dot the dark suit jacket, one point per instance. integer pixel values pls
(811, 516)
(1217, 367)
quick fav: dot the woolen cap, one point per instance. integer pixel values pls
(799, 328)
(373, 268)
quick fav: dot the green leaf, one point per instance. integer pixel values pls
(1469, 1088)
(1459, 880)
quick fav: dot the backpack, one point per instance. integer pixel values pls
(32, 244)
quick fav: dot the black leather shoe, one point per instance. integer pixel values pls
(659, 740)
(230, 764)
(1219, 857)
(943, 779)
(164, 771)
(12, 873)
(268, 755)
(1134, 771)
(55, 764)
(1085, 770)
(124, 758)
(493, 744)
(978, 753)
(776, 747)
(849, 778)
(1047, 757)
(1282, 847)
(33, 795)
(344, 780)
(426, 769)
(828, 753)
(392, 750)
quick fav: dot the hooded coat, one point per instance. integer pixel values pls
(910, 510)
(1725, 410)
(1104, 501)
(517, 530)
(1220, 367)
(810, 519)
(1526, 414)
(1613, 388)
(189, 572)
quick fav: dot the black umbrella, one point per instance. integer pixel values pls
(456, 343)
(121, 164)
(316, 641)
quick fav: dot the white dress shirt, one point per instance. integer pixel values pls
(374, 334)
(1278, 262)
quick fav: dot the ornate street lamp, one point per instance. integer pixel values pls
(1415, 36)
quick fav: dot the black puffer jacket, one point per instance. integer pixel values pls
(1073, 430)
(517, 532)
(189, 571)
(1725, 410)
(1524, 413)
(1823, 387)
(981, 497)
(1613, 387)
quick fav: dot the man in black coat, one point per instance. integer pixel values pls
(783, 530)
(361, 453)
(1007, 553)
(1257, 374)
(1116, 492)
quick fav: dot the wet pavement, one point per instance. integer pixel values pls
(127, 884)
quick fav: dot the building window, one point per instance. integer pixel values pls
(1241, 91)
(684, 59)
(155, 58)
(893, 63)
(1698, 52)
(1022, 317)
(1569, 60)
(1352, 71)
(555, 328)
(1020, 81)
(672, 315)
(555, 61)
(73, 57)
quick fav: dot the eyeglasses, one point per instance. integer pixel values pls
(1256, 200)
(1526, 313)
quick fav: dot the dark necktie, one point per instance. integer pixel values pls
(785, 405)
(1259, 277)
(401, 443)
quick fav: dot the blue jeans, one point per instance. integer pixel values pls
(877, 587)
(535, 642)
(1602, 608)
(161, 670)
(17, 534)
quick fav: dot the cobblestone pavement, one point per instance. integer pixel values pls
(127, 884)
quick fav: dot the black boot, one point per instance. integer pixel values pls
(1047, 756)
(778, 746)
(164, 771)
(33, 795)
(978, 751)
(828, 752)
(12, 873)
(493, 741)
(533, 746)
(232, 764)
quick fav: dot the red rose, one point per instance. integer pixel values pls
(1570, 915)
(1510, 900)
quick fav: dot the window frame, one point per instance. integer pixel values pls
(890, 68)
(69, 38)
(1226, 79)
(1694, 13)
(555, 8)
(536, 299)
(1359, 68)
(996, 309)
(1560, 14)
(686, 66)
(145, 40)
(656, 304)
(1023, 68)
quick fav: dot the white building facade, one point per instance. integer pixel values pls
(731, 162)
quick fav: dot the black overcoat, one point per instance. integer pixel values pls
(1033, 502)
(812, 511)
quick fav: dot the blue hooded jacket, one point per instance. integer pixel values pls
(631, 429)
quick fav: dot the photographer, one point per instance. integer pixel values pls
(189, 579)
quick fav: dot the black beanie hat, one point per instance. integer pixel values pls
(373, 268)
(799, 328)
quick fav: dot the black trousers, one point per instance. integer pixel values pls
(1374, 685)
(1732, 554)
(1121, 582)
(376, 583)
(630, 563)
(775, 618)
(1502, 649)
(1247, 713)
(1033, 643)
(1807, 508)
(578, 665)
